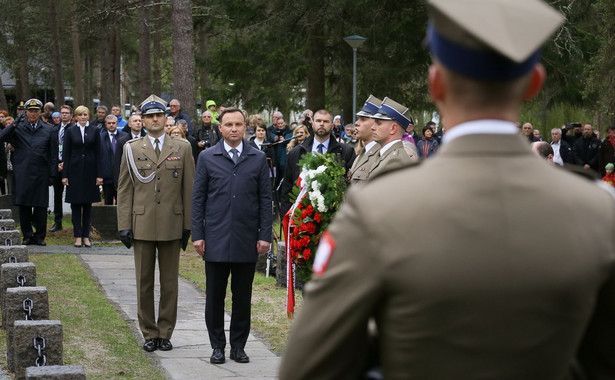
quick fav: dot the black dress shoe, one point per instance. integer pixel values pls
(239, 355)
(164, 344)
(217, 357)
(55, 227)
(27, 241)
(150, 345)
(40, 242)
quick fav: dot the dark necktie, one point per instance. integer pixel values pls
(62, 135)
(235, 155)
(157, 148)
(113, 142)
(321, 148)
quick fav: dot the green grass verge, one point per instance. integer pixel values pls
(95, 335)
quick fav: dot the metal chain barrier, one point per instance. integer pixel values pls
(28, 305)
(21, 280)
(39, 345)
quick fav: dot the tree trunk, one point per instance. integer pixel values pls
(156, 48)
(116, 69)
(79, 94)
(316, 68)
(145, 61)
(204, 81)
(106, 82)
(56, 54)
(183, 54)
(3, 105)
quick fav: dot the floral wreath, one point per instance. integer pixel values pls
(317, 196)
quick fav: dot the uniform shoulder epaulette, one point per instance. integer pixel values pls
(175, 138)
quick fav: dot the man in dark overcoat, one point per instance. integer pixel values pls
(35, 163)
(231, 226)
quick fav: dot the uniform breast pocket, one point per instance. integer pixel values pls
(174, 169)
(144, 167)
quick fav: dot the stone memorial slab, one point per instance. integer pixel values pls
(46, 335)
(13, 275)
(10, 237)
(30, 301)
(56, 372)
(13, 253)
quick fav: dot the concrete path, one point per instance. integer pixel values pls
(189, 359)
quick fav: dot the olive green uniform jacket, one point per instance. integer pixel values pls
(495, 275)
(158, 210)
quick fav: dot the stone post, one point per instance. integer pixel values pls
(47, 335)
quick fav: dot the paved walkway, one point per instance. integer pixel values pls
(189, 359)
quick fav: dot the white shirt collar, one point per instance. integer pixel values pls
(228, 148)
(160, 139)
(388, 146)
(475, 127)
(325, 144)
(370, 145)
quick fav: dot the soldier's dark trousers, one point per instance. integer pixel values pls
(216, 279)
(33, 215)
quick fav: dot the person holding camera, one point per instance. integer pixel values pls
(207, 134)
(278, 136)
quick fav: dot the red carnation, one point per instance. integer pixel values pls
(300, 205)
(307, 254)
(310, 209)
(318, 217)
(304, 214)
(310, 228)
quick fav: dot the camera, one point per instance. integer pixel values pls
(573, 125)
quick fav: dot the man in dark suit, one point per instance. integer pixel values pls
(322, 141)
(502, 290)
(66, 115)
(231, 226)
(562, 152)
(109, 144)
(35, 164)
(135, 126)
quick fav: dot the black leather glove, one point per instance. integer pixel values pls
(185, 237)
(126, 238)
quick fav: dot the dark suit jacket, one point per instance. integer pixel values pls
(345, 152)
(126, 129)
(117, 159)
(231, 203)
(107, 156)
(81, 165)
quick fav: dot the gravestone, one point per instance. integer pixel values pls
(7, 224)
(19, 302)
(10, 237)
(56, 372)
(13, 254)
(7, 210)
(104, 220)
(47, 335)
(12, 274)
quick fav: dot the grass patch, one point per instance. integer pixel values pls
(269, 318)
(95, 335)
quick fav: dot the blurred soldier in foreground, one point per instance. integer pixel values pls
(503, 290)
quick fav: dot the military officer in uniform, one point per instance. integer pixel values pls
(153, 212)
(388, 128)
(503, 290)
(369, 153)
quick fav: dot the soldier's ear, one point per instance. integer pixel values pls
(437, 90)
(538, 78)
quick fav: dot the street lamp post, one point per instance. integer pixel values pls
(354, 42)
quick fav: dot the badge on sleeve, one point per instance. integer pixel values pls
(323, 253)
